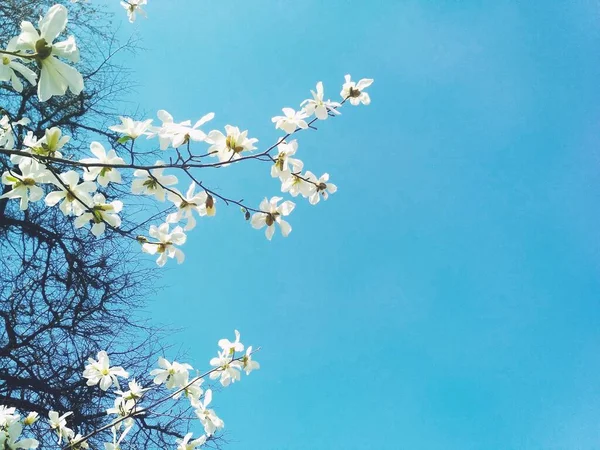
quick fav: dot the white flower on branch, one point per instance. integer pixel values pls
(355, 91)
(135, 391)
(228, 370)
(132, 7)
(297, 183)
(165, 247)
(10, 66)
(99, 372)
(131, 129)
(7, 415)
(59, 425)
(103, 175)
(291, 120)
(208, 417)
(75, 198)
(9, 439)
(25, 184)
(48, 145)
(153, 182)
(7, 136)
(272, 214)
(248, 364)
(56, 76)
(228, 147)
(31, 418)
(284, 163)
(186, 444)
(231, 347)
(193, 392)
(318, 106)
(201, 202)
(174, 375)
(177, 134)
(322, 187)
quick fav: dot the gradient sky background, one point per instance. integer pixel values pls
(447, 297)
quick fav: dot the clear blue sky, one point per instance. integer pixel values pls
(448, 296)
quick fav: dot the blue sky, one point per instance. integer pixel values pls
(447, 296)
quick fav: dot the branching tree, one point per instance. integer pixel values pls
(62, 288)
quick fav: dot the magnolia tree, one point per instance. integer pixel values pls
(151, 163)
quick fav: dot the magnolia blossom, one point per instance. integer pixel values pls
(7, 137)
(177, 134)
(10, 66)
(31, 418)
(291, 120)
(9, 439)
(322, 187)
(201, 202)
(296, 184)
(167, 240)
(135, 391)
(132, 128)
(99, 371)
(48, 145)
(24, 184)
(284, 164)
(174, 375)
(153, 182)
(271, 214)
(248, 364)
(355, 91)
(318, 106)
(229, 370)
(208, 417)
(59, 424)
(56, 76)
(231, 347)
(229, 147)
(103, 175)
(192, 391)
(132, 7)
(186, 444)
(71, 196)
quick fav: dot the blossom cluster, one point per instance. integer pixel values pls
(176, 377)
(81, 191)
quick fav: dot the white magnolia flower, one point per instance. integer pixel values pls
(318, 106)
(177, 134)
(135, 391)
(103, 175)
(7, 137)
(122, 406)
(48, 145)
(229, 370)
(71, 196)
(132, 7)
(99, 371)
(31, 418)
(167, 240)
(273, 214)
(10, 66)
(174, 375)
(9, 439)
(355, 91)
(7, 415)
(296, 184)
(186, 444)
(25, 184)
(193, 392)
(291, 120)
(248, 364)
(284, 164)
(231, 347)
(322, 187)
(153, 182)
(59, 424)
(230, 146)
(200, 202)
(208, 418)
(56, 76)
(132, 128)
(75, 444)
